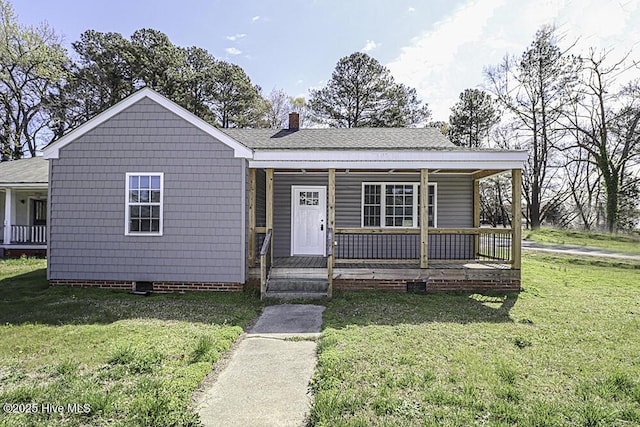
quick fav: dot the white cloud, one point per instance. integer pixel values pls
(255, 18)
(236, 37)
(606, 23)
(426, 64)
(450, 55)
(369, 46)
(411, 9)
(233, 51)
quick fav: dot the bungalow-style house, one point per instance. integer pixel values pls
(148, 196)
(23, 207)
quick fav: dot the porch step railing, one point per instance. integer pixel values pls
(28, 234)
(265, 264)
(445, 245)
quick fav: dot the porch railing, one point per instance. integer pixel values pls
(495, 246)
(445, 245)
(265, 264)
(27, 234)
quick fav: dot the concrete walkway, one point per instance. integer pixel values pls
(577, 250)
(266, 380)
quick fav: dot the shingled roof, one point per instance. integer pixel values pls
(340, 138)
(34, 170)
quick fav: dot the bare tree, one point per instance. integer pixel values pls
(531, 89)
(583, 181)
(605, 123)
(279, 108)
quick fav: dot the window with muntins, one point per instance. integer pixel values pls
(395, 205)
(144, 204)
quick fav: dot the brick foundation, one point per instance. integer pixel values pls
(370, 285)
(506, 282)
(158, 287)
(430, 285)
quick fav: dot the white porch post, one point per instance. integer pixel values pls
(8, 211)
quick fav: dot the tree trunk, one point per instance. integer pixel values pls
(612, 187)
(534, 206)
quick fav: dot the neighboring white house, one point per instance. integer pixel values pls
(23, 206)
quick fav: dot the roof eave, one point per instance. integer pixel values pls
(33, 185)
(399, 159)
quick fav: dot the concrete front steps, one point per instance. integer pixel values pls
(298, 283)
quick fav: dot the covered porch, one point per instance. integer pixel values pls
(427, 237)
(23, 207)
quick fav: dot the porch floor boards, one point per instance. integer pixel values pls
(321, 262)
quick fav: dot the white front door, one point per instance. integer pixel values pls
(308, 220)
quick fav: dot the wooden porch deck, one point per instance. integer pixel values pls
(321, 262)
(361, 274)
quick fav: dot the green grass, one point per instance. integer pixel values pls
(615, 242)
(565, 351)
(135, 361)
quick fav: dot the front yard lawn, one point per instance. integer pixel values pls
(565, 351)
(626, 243)
(98, 357)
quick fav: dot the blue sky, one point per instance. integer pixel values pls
(440, 47)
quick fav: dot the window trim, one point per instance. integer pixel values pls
(383, 202)
(127, 205)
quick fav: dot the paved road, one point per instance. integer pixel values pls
(577, 250)
(266, 381)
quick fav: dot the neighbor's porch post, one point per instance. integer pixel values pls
(252, 217)
(424, 218)
(8, 210)
(332, 227)
(269, 207)
(516, 218)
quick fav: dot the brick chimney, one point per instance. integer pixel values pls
(294, 121)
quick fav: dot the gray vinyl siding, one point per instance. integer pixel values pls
(261, 198)
(202, 239)
(282, 209)
(454, 209)
(454, 197)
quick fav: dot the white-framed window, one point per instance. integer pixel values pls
(396, 204)
(144, 204)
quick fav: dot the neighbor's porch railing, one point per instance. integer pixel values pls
(446, 245)
(26, 234)
(265, 264)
